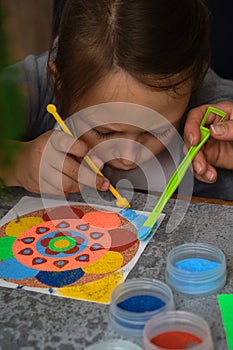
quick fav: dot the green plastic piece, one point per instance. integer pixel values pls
(178, 175)
(226, 306)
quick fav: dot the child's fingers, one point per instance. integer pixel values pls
(97, 161)
(70, 166)
(54, 182)
(87, 177)
(79, 174)
(67, 144)
(58, 183)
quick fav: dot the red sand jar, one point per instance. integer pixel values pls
(177, 330)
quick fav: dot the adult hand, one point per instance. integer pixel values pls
(218, 150)
(52, 163)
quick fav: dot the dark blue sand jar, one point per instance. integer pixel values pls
(196, 269)
(136, 301)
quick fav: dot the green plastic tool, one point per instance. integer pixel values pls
(178, 175)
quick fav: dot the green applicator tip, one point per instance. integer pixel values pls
(145, 231)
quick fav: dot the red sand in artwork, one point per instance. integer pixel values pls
(64, 212)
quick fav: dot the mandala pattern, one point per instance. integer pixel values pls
(61, 245)
(65, 248)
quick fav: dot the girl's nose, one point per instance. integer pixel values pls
(126, 151)
(126, 162)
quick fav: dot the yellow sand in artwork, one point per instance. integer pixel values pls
(16, 227)
(98, 291)
(111, 261)
(62, 243)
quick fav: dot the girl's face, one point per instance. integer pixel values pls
(134, 136)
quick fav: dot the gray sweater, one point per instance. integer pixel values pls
(34, 72)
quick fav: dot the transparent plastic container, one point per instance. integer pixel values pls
(178, 321)
(198, 282)
(115, 344)
(131, 323)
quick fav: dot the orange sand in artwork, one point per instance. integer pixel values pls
(48, 262)
(102, 219)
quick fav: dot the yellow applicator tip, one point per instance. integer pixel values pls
(51, 108)
(122, 202)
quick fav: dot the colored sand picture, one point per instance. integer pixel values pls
(74, 250)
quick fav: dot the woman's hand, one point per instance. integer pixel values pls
(218, 150)
(51, 164)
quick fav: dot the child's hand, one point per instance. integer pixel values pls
(218, 150)
(51, 164)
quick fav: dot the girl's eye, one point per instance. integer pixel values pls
(103, 135)
(161, 134)
(155, 133)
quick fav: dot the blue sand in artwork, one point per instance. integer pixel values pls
(129, 214)
(14, 270)
(136, 219)
(141, 303)
(196, 265)
(59, 279)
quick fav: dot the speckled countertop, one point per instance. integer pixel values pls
(33, 321)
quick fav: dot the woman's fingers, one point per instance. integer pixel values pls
(192, 125)
(195, 116)
(209, 175)
(213, 152)
(202, 170)
(222, 131)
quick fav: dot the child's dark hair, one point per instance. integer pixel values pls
(161, 43)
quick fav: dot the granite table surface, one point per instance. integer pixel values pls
(34, 321)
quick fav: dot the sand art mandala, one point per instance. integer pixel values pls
(61, 245)
(72, 251)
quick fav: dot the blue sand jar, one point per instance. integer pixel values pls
(136, 301)
(196, 269)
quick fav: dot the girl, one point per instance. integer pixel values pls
(151, 53)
